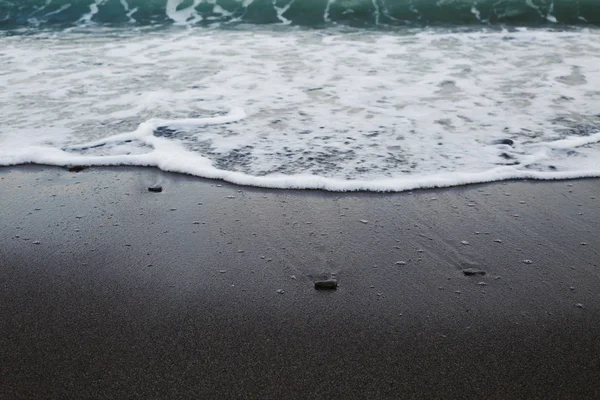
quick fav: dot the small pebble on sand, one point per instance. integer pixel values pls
(326, 284)
(473, 272)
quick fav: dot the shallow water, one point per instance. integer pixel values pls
(336, 108)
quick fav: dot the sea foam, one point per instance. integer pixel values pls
(300, 109)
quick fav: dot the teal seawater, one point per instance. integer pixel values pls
(310, 13)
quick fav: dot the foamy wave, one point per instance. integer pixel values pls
(171, 156)
(364, 111)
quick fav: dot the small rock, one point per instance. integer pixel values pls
(400, 262)
(464, 242)
(482, 283)
(579, 305)
(222, 271)
(583, 243)
(36, 242)
(327, 284)
(497, 240)
(280, 291)
(364, 221)
(527, 262)
(76, 168)
(155, 189)
(473, 272)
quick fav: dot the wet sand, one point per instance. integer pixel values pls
(206, 290)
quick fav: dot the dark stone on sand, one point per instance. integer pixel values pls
(473, 272)
(327, 284)
(76, 168)
(155, 189)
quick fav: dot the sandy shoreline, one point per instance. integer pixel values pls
(132, 294)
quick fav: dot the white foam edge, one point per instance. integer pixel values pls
(191, 164)
(171, 156)
(146, 129)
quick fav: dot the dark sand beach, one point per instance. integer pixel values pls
(206, 290)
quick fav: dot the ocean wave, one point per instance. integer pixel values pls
(310, 13)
